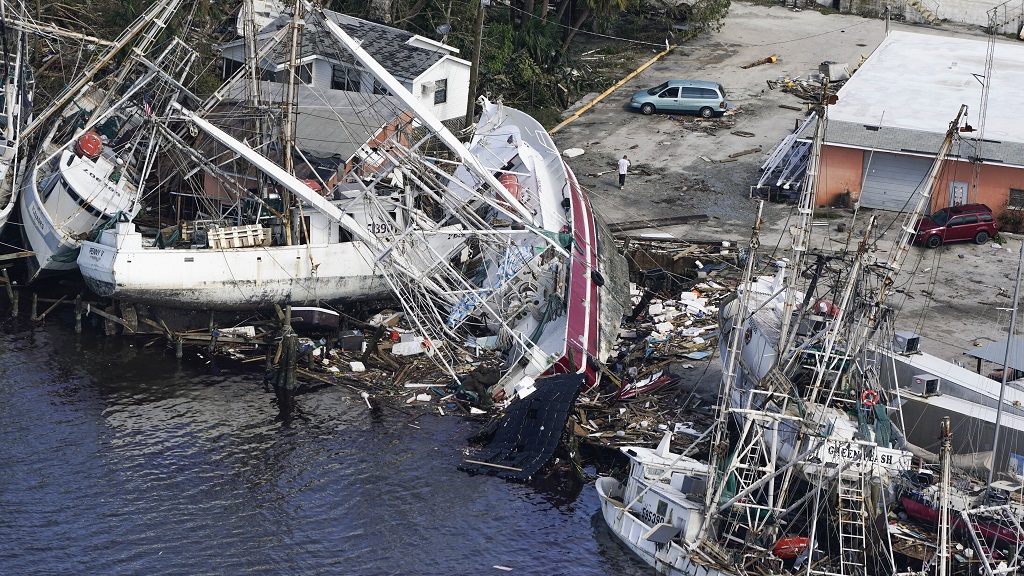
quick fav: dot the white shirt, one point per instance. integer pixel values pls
(623, 164)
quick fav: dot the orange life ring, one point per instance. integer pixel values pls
(869, 398)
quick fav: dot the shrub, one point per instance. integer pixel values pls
(1010, 219)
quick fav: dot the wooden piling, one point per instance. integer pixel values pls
(35, 307)
(78, 314)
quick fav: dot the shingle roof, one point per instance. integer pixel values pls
(919, 142)
(389, 46)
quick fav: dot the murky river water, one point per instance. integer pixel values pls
(118, 459)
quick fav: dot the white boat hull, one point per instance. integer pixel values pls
(668, 558)
(53, 249)
(231, 279)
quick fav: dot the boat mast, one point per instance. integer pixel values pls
(945, 456)
(288, 121)
(1006, 367)
(802, 239)
(165, 8)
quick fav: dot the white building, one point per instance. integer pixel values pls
(429, 69)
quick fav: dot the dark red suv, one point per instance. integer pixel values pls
(956, 223)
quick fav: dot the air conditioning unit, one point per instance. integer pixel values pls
(906, 343)
(427, 89)
(926, 385)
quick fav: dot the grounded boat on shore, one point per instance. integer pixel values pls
(92, 162)
(492, 246)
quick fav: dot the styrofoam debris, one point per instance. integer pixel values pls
(663, 327)
(656, 308)
(357, 366)
(423, 397)
(415, 346)
(572, 152)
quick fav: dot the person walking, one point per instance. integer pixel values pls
(623, 168)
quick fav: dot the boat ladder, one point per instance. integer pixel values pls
(852, 519)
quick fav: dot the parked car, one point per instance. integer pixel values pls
(699, 96)
(957, 223)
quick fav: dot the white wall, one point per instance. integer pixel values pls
(976, 12)
(456, 71)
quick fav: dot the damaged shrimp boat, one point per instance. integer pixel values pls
(491, 248)
(239, 240)
(92, 163)
(805, 456)
(16, 92)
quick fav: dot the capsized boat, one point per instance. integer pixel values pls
(92, 162)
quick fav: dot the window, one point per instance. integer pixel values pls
(970, 219)
(986, 217)
(1016, 199)
(345, 78)
(230, 67)
(708, 94)
(303, 73)
(379, 88)
(691, 93)
(440, 91)
(957, 221)
(670, 93)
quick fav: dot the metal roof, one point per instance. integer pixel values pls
(331, 123)
(996, 352)
(912, 85)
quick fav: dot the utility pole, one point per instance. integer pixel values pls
(474, 70)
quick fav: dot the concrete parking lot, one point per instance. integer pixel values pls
(956, 297)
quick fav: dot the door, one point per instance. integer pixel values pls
(961, 227)
(890, 180)
(957, 193)
(668, 99)
(690, 100)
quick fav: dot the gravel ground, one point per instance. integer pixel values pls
(956, 296)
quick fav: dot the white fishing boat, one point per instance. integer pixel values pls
(93, 159)
(16, 92)
(243, 261)
(659, 510)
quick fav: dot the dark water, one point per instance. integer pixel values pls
(118, 459)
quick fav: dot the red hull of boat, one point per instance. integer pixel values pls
(988, 529)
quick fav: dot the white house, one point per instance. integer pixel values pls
(429, 69)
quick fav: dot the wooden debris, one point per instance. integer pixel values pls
(745, 152)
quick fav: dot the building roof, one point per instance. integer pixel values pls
(996, 352)
(329, 123)
(404, 54)
(912, 85)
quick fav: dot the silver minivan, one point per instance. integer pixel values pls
(700, 96)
